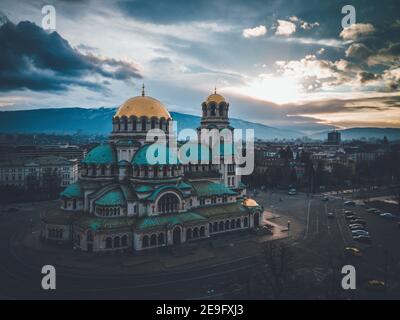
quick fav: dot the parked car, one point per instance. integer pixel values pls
(348, 212)
(331, 215)
(325, 199)
(360, 233)
(387, 215)
(376, 284)
(292, 192)
(358, 221)
(350, 203)
(356, 227)
(353, 252)
(351, 217)
(362, 238)
(371, 210)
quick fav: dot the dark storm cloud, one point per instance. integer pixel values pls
(369, 76)
(31, 58)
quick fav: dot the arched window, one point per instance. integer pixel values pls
(215, 227)
(125, 122)
(144, 123)
(168, 203)
(238, 223)
(165, 171)
(227, 225)
(221, 226)
(204, 111)
(213, 110)
(210, 227)
(161, 239)
(145, 242)
(134, 124)
(233, 224)
(89, 236)
(246, 222)
(124, 241)
(202, 232)
(117, 242)
(221, 110)
(153, 123)
(195, 232)
(189, 234)
(161, 124)
(103, 170)
(109, 243)
(153, 240)
(155, 171)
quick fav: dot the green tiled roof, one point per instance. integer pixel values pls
(183, 185)
(154, 195)
(222, 209)
(209, 188)
(144, 188)
(96, 223)
(59, 217)
(112, 198)
(73, 191)
(123, 163)
(102, 154)
(167, 220)
(140, 157)
(242, 185)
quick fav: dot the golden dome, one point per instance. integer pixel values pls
(143, 106)
(250, 202)
(215, 97)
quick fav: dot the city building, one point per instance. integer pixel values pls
(334, 137)
(124, 202)
(24, 173)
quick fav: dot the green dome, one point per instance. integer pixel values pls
(102, 154)
(72, 191)
(112, 198)
(140, 157)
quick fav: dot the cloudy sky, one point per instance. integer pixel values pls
(284, 63)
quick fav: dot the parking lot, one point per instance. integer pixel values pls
(320, 241)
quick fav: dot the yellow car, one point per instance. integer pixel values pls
(353, 251)
(376, 284)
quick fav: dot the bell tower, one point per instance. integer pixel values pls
(215, 112)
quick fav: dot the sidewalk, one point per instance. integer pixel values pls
(220, 249)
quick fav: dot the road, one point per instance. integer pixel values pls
(317, 241)
(22, 279)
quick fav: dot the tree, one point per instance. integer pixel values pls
(279, 266)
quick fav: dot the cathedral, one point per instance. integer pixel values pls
(124, 202)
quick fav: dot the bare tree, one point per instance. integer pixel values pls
(278, 266)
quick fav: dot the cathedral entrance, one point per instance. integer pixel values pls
(256, 219)
(176, 236)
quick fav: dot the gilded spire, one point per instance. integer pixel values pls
(143, 90)
(215, 90)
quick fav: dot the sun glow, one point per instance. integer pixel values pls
(277, 89)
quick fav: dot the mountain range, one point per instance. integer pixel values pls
(98, 121)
